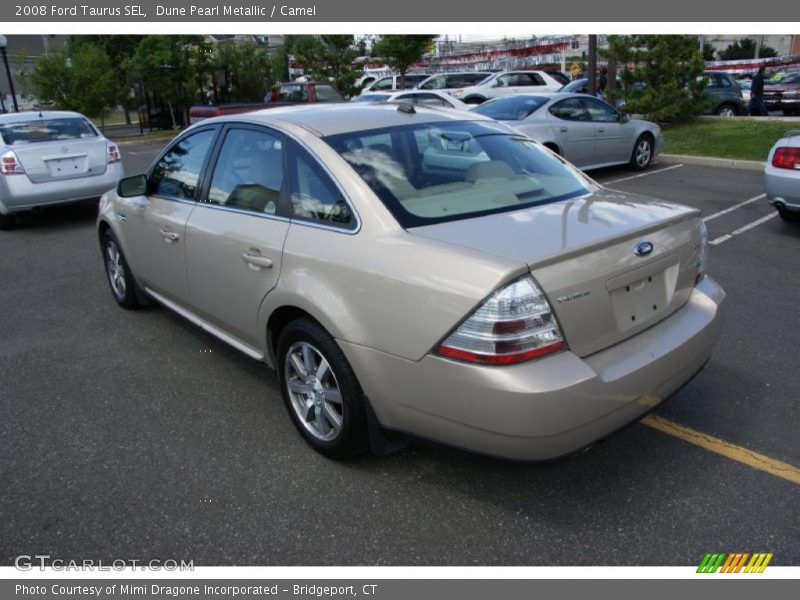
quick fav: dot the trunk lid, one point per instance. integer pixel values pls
(611, 264)
(63, 159)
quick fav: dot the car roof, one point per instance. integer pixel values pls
(332, 119)
(30, 115)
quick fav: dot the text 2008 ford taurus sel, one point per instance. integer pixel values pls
(423, 271)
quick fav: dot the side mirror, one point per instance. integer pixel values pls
(624, 117)
(135, 185)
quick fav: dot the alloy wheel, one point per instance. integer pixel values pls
(115, 269)
(313, 391)
(643, 152)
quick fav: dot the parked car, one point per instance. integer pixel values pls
(782, 92)
(587, 131)
(726, 95)
(425, 97)
(452, 82)
(420, 271)
(52, 157)
(295, 92)
(508, 83)
(392, 82)
(782, 176)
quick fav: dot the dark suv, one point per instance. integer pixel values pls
(726, 95)
(782, 92)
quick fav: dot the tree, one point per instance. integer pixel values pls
(118, 48)
(247, 68)
(708, 52)
(168, 67)
(329, 57)
(83, 82)
(666, 82)
(402, 51)
(746, 48)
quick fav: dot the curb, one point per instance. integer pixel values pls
(710, 161)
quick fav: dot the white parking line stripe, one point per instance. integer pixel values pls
(756, 223)
(643, 174)
(733, 208)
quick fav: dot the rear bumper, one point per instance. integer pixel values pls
(18, 193)
(547, 408)
(782, 187)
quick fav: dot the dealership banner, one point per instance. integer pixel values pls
(213, 11)
(391, 589)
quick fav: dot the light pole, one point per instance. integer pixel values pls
(3, 44)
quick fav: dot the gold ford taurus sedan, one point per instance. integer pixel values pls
(419, 271)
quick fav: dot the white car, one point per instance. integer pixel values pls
(509, 83)
(425, 97)
(52, 157)
(583, 129)
(454, 82)
(392, 82)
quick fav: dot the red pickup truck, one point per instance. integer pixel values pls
(287, 93)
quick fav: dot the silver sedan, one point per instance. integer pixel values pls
(583, 129)
(782, 176)
(49, 157)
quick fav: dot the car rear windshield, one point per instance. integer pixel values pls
(514, 108)
(46, 130)
(436, 172)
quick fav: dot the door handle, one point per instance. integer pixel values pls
(256, 261)
(562, 128)
(600, 130)
(169, 236)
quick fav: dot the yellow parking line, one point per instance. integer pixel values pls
(726, 449)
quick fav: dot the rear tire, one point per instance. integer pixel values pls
(788, 215)
(120, 279)
(8, 221)
(320, 390)
(642, 154)
(726, 110)
(474, 100)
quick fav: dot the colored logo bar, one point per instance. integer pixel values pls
(735, 563)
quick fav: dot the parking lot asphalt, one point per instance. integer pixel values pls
(137, 435)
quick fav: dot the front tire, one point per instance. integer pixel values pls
(120, 279)
(642, 154)
(7, 221)
(320, 390)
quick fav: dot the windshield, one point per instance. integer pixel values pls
(371, 98)
(435, 172)
(46, 130)
(514, 108)
(786, 78)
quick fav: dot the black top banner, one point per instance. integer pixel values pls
(409, 11)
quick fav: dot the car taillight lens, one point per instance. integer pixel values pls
(786, 158)
(9, 165)
(513, 325)
(702, 261)
(113, 154)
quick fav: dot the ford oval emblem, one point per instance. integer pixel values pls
(643, 249)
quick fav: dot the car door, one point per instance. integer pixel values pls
(235, 235)
(153, 227)
(573, 130)
(613, 139)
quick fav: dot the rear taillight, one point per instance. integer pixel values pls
(9, 165)
(786, 158)
(513, 325)
(113, 154)
(702, 254)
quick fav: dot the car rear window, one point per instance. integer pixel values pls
(514, 108)
(46, 130)
(435, 172)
